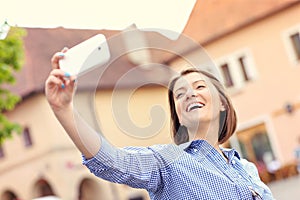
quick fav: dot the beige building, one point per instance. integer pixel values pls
(256, 48)
(257, 51)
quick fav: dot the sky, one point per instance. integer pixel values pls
(97, 14)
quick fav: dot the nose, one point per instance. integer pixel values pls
(190, 93)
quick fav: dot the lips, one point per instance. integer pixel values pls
(194, 106)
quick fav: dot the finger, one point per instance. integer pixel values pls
(67, 80)
(71, 82)
(55, 81)
(60, 73)
(64, 77)
(57, 56)
(55, 59)
(65, 49)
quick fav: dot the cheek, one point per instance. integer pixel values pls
(178, 110)
(214, 100)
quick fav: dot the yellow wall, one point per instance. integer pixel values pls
(147, 110)
(54, 157)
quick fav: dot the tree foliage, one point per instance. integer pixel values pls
(11, 60)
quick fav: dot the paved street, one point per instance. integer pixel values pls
(286, 189)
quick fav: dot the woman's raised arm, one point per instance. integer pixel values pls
(60, 88)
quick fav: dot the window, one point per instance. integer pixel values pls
(291, 41)
(243, 68)
(27, 137)
(237, 69)
(295, 39)
(8, 195)
(42, 188)
(1, 151)
(227, 76)
(137, 198)
(255, 145)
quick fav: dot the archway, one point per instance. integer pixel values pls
(89, 190)
(42, 189)
(9, 195)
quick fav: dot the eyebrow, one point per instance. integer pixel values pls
(195, 82)
(198, 81)
(181, 88)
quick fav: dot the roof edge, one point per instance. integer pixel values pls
(249, 22)
(237, 28)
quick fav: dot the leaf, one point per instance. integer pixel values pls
(11, 60)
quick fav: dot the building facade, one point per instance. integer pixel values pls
(258, 60)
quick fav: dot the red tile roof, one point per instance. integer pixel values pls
(40, 44)
(209, 20)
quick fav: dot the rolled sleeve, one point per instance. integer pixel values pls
(134, 166)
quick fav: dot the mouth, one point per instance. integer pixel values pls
(194, 106)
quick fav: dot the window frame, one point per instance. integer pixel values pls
(296, 46)
(27, 137)
(237, 71)
(227, 76)
(263, 119)
(289, 46)
(2, 153)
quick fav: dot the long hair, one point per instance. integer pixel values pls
(228, 119)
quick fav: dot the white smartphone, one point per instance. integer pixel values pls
(86, 55)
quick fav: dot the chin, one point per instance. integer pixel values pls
(192, 123)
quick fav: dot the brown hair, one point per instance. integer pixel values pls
(228, 119)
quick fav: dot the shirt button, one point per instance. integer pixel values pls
(233, 162)
(195, 150)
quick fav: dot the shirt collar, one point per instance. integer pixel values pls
(201, 145)
(230, 153)
(198, 144)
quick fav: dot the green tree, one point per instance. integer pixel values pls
(11, 60)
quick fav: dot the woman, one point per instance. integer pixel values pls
(193, 168)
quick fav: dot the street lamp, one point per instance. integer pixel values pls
(4, 29)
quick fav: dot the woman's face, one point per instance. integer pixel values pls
(196, 100)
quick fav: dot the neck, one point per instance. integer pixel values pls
(206, 131)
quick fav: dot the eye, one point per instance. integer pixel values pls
(200, 86)
(179, 95)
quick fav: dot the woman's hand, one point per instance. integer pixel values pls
(59, 86)
(59, 89)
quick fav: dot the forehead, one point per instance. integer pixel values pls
(189, 79)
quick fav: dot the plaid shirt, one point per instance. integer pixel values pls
(193, 170)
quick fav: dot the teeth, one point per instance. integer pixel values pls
(193, 106)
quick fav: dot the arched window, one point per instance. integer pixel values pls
(42, 189)
(89, 190)
(9, 195)
(140, 197)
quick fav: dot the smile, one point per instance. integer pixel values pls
(194, 106)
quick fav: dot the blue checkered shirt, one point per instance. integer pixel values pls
(193, 170)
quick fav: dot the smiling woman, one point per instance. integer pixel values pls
(196, 90)
(196, 167)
